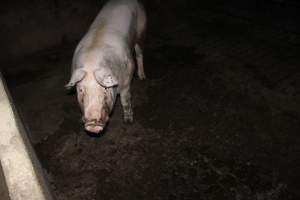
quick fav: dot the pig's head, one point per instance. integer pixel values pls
(96, 94)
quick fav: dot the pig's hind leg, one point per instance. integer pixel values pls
(140, 63)
(141, 27)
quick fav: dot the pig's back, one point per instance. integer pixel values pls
(114, 26)
(118, 16)
(121, 15)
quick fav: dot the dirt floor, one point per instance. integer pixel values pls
(217, 118)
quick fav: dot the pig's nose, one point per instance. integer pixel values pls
(93, 129)
(89, 120)
(93, 122)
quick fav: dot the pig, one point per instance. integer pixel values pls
(103, 62)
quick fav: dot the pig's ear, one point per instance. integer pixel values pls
(77, 76)
(105, 78)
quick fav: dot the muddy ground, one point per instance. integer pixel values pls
(217, 118)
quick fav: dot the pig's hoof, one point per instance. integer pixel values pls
(142, 76)
(128, 120)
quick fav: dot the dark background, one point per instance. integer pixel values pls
(29, 26)
(218, 116)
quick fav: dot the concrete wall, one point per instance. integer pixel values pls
(3, 187)
(33, 25)
(22, 175)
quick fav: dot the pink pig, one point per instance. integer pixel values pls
(103, 63)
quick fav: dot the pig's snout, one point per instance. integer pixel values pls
(93, 126)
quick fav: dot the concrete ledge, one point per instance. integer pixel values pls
(22, 171)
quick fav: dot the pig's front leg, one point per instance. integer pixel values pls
(126, 104)
(125, 94)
